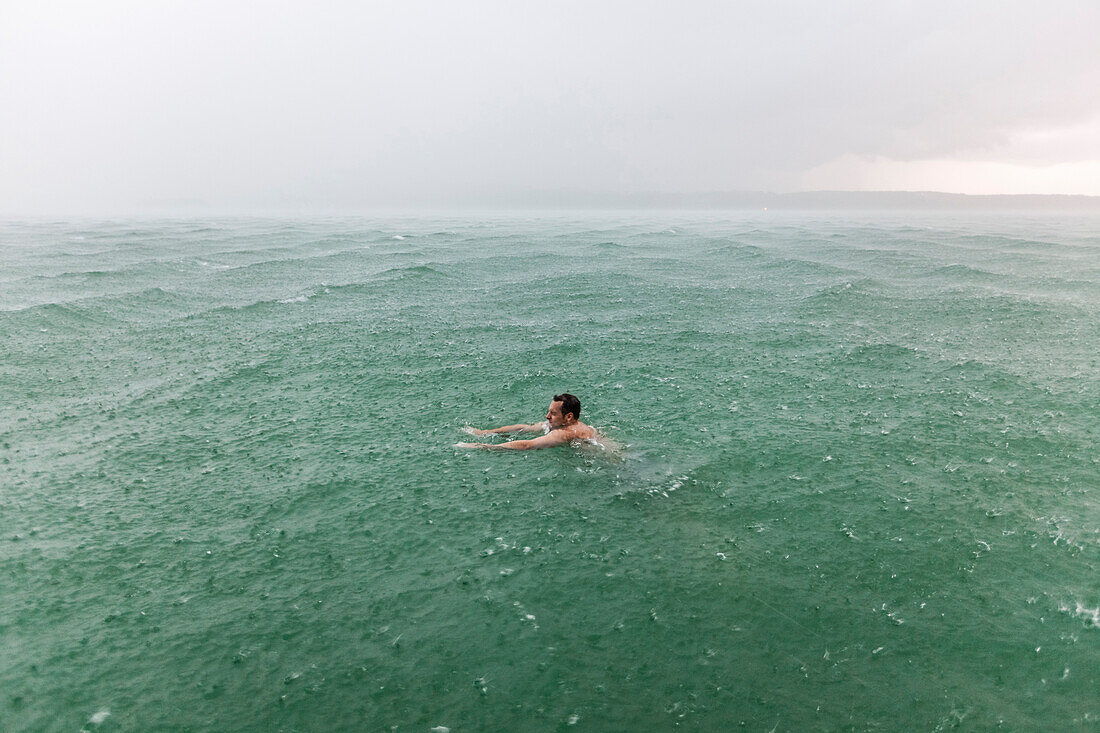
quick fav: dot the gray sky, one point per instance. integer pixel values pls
(118, 106)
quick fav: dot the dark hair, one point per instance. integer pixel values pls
(569, 403)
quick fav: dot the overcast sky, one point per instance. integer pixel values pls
(116, 106)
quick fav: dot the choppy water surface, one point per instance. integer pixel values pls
(859, 488)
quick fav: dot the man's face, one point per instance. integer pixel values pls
(554, 416)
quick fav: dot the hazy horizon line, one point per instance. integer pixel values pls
(579, 199)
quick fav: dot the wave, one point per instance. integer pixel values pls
(968, 273)
(1026, 309)
(101, 310)
(410, 271)
(55, 316)
(848, 290)
(1017, 286)
(1002, 242)
(274, 261)
(213, 265)
(884, 353)
(298, 258)
(365, 287)
(94, 274)
(744, 251)
(146, 268)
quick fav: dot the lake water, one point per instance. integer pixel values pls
(858, 488)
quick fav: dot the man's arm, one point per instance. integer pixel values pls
(534, 428)
(546, 441)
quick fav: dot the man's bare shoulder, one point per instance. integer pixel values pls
(579, 431)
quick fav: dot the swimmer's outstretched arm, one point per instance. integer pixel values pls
(546, 441)
(533, 428)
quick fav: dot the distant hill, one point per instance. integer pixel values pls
(804, 200)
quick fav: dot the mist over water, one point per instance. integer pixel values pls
(857, 488)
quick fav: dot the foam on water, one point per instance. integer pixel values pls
(99, 717)
(1091, 616)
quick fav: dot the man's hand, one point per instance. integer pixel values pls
(475, 431)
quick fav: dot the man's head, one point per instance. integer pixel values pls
(565, 409)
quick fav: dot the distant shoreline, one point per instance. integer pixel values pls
(801, 200)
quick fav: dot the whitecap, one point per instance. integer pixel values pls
(1090, 615)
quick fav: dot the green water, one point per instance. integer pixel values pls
(858, 489)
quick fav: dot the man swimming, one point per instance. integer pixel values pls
(561, 426)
